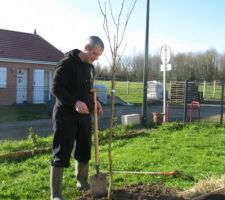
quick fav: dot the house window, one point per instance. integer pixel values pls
(3, 77)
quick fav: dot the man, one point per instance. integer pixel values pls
(71, 85)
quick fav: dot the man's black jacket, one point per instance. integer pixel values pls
(72, 81)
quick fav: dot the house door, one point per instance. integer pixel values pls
(21, 86)
(38, 86)
(47, 85)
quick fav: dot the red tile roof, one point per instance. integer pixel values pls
(27, 46)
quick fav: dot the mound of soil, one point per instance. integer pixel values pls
(141, 192)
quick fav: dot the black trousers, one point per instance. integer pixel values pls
(71, 132)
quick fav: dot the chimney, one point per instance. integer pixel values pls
(35, 32)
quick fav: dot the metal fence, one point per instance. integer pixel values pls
(129, 97)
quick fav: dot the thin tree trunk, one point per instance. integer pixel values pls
(111, 133)
(114, 45)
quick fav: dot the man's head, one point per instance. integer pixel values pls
(93, 49)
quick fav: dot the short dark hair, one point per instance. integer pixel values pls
(93, 41)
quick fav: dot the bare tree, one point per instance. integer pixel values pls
(115, 37)
(222, 68)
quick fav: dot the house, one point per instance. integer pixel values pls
(27, 63)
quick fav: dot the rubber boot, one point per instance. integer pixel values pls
(56, 175)
(82, 175)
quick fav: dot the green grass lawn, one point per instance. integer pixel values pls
(196, 149)
(131, 92)
(211, 93)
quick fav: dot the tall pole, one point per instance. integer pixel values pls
(164, 93)
(222, 104)
(185, 100)
(145, 71)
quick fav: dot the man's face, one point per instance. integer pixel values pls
(92, 54)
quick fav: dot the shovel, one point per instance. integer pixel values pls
(98, 181)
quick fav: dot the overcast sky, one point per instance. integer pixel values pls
(184, 25)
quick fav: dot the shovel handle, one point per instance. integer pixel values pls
(94, 91)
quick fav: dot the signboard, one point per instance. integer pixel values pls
(165, 67)
(165, 54)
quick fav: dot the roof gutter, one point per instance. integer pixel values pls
(27, 61)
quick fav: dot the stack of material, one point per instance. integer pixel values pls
(154, 90)
(177, 92)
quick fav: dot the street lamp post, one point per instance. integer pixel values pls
(145, 71)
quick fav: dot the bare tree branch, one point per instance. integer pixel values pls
(132, 5)
(106, 25)
(112, 15)
(118, 22)
(120, 57)
(115, 42)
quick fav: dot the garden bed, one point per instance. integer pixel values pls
(141, 192)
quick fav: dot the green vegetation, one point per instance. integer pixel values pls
(131, 92)
(7, 146)
(196, 149)
(211, 92)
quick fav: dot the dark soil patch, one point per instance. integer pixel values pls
(141, 192)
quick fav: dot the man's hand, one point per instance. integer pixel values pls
(81, 107)
(99, 109)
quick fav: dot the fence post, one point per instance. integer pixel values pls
(214, 88)
(204, 86)
(185, 100)
(222, 103)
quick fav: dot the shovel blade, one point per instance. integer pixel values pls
(98, 185)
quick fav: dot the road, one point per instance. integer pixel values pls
(43, 127)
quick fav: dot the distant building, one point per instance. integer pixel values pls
(27, 63)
